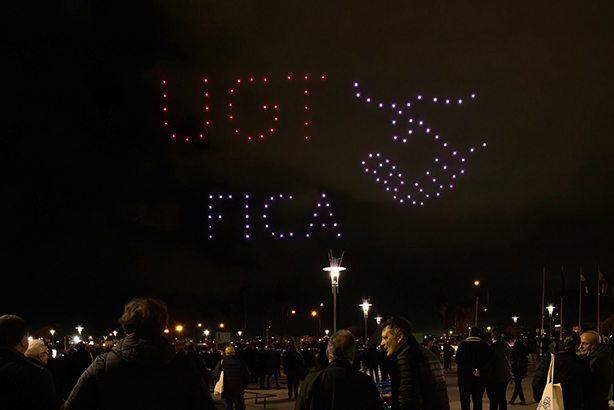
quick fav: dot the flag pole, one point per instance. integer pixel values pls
(561, 319)
(598, 296)
(580, 307)
(541, 334)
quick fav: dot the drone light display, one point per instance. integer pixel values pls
(252, 109)
(415, 189)
(235, 110)
(260, 219)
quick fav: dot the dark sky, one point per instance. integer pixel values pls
(101, 204)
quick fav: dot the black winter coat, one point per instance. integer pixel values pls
(140, 374)
(236, 374)
(339, 387)
(24, 385)
(474, 353)
(417, 380)
(571, 371)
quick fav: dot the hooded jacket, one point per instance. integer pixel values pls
(140, 374)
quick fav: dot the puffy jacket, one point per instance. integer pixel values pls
(236, 374)
(417, 380)
(140, 374)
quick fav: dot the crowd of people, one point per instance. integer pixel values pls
(146, 370)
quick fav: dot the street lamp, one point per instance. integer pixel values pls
(365, 308)
(515, 319)
(79, 329)
(378, 319)
(476, 284)
(240, 333)
(52, 331)
(207, 335)
(326, 331)
(334, 269)
(115, 333)
(550, 310)
(314, 314)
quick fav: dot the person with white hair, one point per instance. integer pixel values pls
(339, 386)
(37, 353)
(23, 385)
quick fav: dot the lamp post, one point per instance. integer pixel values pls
(378, 319)
(240, 333)
(79, 329)
(207, 335)
(334, 269)
(550, 310)
(365, 308)
(515, 319)
(52, 331)
(314, 314)
(476, 284)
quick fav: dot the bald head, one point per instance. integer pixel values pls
(230, 351)
(589, 342)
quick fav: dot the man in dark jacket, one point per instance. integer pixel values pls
(474, 358)
(275, 359)
(339, 386)
(22, 385)
(417, 376)
(293, 368)
(236, 379)
(500, 373)
(599, 358)
(570, 371)
(142, 370)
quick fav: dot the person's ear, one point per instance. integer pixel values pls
(400, 336)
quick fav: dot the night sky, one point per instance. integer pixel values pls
(101, 204)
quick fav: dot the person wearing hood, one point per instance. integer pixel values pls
(142, 371)
(599, 359)
(417, 376)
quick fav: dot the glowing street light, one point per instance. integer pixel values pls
(550, 310)
(515, 318)
(365, 308)
(335, 268)
(79, 329)
(326, 331)
(115, 333)
(378, 319)
(179, 328)
(314, 314)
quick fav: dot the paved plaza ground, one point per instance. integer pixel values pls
(281, 402)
